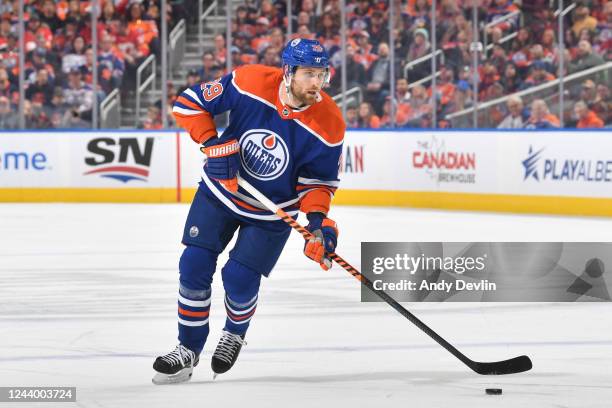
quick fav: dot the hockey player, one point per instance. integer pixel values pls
(285, 138)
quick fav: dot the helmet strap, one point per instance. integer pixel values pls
(288, 72)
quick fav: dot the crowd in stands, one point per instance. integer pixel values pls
(59, 57)
(522, 53)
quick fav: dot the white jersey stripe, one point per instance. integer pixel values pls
(234, 208)
(186, 111)
(305, 180)
(194, 303)
(242, 312)
(194, 96)
(193, 324)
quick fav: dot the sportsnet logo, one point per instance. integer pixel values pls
(442, 164)
(110, 157)
(541, 168)
(264, 154)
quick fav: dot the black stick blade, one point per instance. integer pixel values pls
(512, 366)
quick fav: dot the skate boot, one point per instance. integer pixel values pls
(175, 367)
(226, 353)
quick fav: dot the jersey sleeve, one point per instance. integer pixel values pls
(195, 108)
(318, 181)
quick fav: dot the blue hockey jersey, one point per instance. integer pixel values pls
(291, 156)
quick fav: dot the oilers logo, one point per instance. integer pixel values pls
(264, 154)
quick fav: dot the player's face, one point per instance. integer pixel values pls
(307, 83)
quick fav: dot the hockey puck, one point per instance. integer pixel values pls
(493, 391)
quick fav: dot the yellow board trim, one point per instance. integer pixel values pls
(478, 202)
(89, 195)
(534, 204)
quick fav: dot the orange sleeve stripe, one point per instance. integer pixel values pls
(200, 127)
(316, 200)
(192, 313)
(187, 102)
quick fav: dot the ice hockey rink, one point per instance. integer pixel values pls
(88, 299)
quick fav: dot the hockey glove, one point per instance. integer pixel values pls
(223, 161)
(325, 239)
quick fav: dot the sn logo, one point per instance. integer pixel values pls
(110, 158)
(106, 149)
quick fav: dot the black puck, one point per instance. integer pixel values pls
(493, 391)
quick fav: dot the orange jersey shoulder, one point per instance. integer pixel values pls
(325, 118)
(259, 80)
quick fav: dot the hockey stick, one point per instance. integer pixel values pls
(511, 366)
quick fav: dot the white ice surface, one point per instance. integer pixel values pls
(88, 299)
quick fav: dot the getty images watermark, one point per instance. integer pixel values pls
(487, 271)
(412, 264)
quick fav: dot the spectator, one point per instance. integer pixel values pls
(79, 97)
(75, 58)
(220, 51)
(352, 120)
(511, 81)
(193, 78)
(501, 8)
(35, 29)
(328, 33)
(402, 90)
(377, 28)
(355, 72)
(586, 117)
(110, 65)
(8, 88)
(602, 105)
(271, 58)
(583, 20)
(205, 73)
(305, 19)
(538, 75)
(247, 54)
(367, 117)
(36, 61)
(8, 119)
(153, 119)
(536, 53)
(515, 119)
(363, 50)
(49, 17)
(499, 58)
(402, 113)
(420, 47)
(586, 58)
(41, 90)
(262, 35)
(419, 102)
(445, 88)
(378, 76)
(57, 108)
(541, 118)
(109, 14)
(145, 30)
(236, 57)
(358, 18)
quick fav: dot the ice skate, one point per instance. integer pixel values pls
(175, 367)
(226, 353)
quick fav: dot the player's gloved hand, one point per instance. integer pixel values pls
(325, 239)
(223, 161)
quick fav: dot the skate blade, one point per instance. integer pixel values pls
(182, 376)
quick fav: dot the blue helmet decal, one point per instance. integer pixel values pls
(303, 52)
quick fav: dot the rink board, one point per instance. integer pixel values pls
(551, 172)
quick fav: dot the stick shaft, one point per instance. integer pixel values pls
(476, 366)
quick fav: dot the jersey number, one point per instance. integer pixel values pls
(211, 90)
